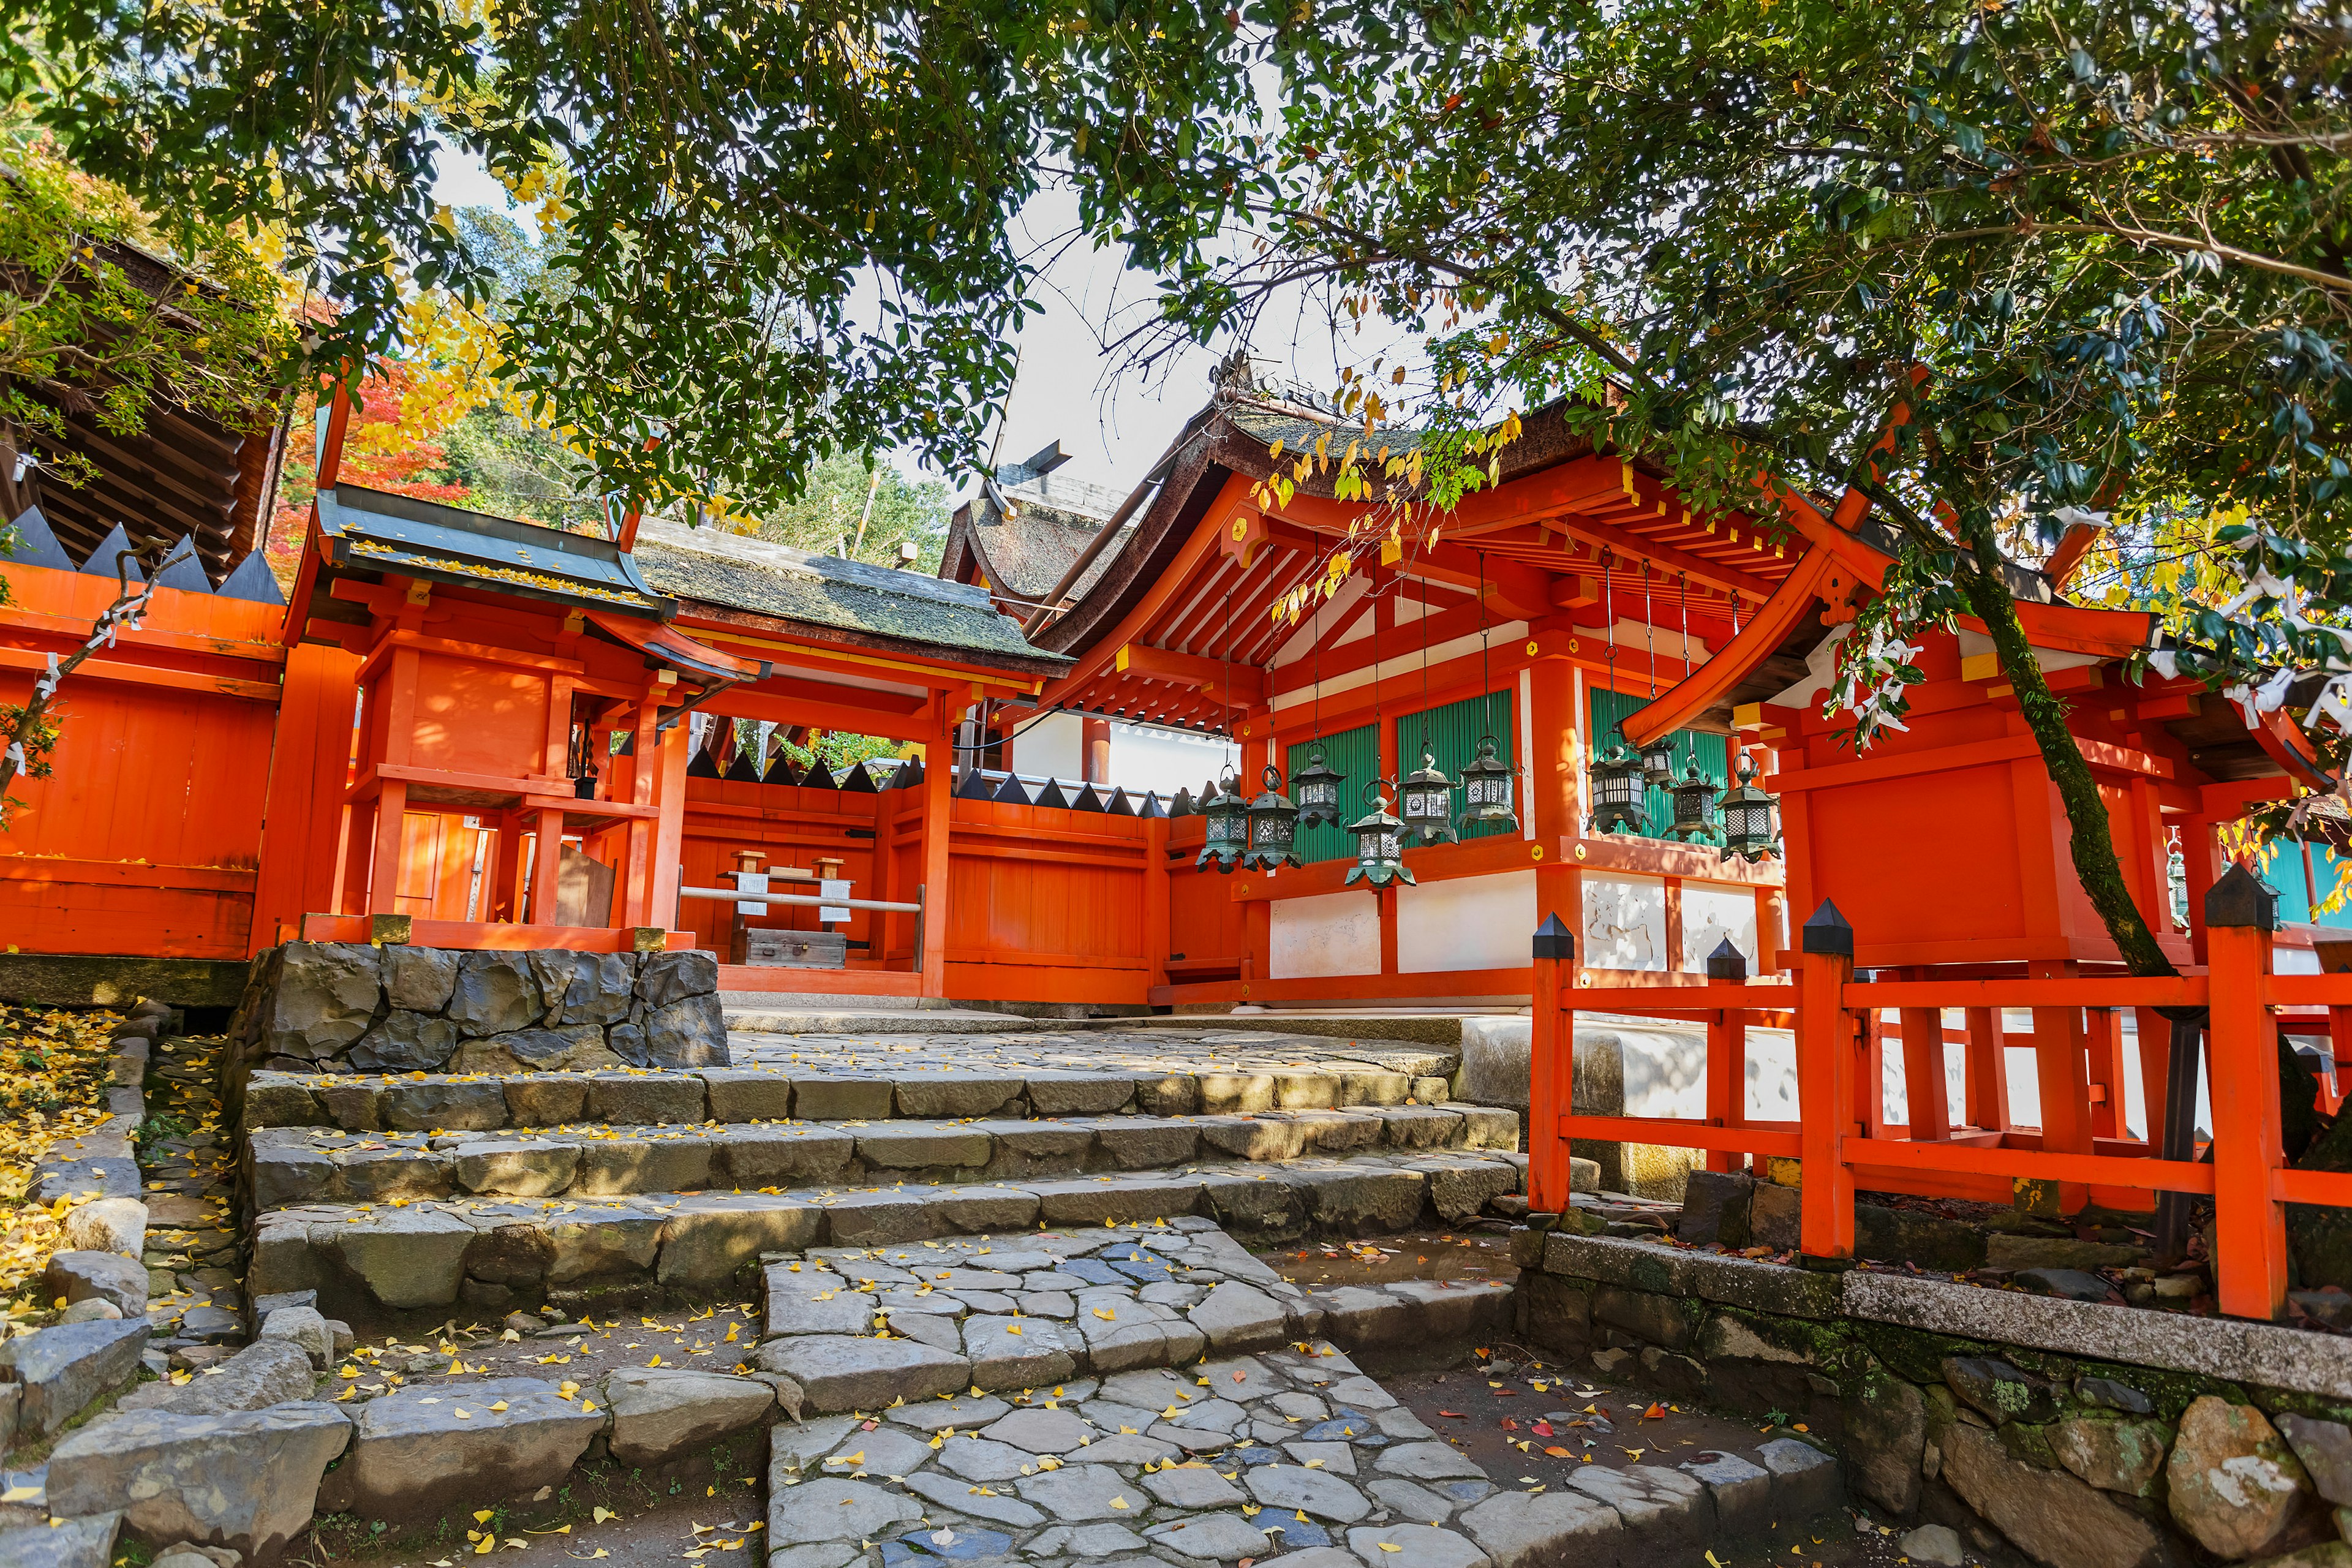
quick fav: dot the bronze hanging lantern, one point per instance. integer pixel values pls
(1751, 819)
(1226, 820)
(1695, 796)
(1429, 803)
(1658, 763)
(1487, 788)
(1619, 803)
(1273, 824)
(1315, 788)
(1379, 844)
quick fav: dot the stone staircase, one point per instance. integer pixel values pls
(420, 1192)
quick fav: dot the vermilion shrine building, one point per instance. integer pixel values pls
(448, 691)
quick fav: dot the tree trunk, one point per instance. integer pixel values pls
(2091, 842)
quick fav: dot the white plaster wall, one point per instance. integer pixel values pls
(1468, 922)
(1330, 933)
(1147, 757)
(1053, 744)
(1624, 922)
(1712, 914)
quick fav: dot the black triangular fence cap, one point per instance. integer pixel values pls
(1827, 932)
(628, 741)
(1087, 799)
(252, 581)
(101, 560)
(1151, 806)
(973, 785)
(819, 775)
(1554, 939)
(1727, 962)
(2241, 898)
(908, 776)
(1117, 804)
(742, 770)
(1052, 795)
(36, 543)
(781, 770)
(1181, 806)
(859, 780)
(1012, 792)
(703, 766)
(186, 573)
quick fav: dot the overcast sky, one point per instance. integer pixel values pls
(1112, 421)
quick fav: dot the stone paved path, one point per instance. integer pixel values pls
(1262, 1445)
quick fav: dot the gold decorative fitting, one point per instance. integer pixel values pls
(1533, 648)
(1580, 851)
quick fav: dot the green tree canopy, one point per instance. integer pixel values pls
(784, 228)
(2095, 251)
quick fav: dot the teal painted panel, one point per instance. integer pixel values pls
(1453, 732)
(1355, 753)
(1611, 709)
(2325, 865)
(2283, 872)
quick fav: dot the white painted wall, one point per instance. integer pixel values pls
(1053, 744)
(1147, 757)
(1330, 933)
(1712, 914)
(1468, 922)
(1624, 922)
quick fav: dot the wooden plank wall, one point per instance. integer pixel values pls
(147, 838)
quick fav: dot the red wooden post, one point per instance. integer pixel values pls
(1870, 1073)
(2060, 1070)
(1726, 1054)
(1551, 1066)
(390, 817)
(547, 865)
(1826, 1057)
(1988, 1071)
(1155, 900)
(1923, 1074)
(1094, 750)
(2104, 1033)
(2241, 1059)
(2155, 1067)
(931, 938)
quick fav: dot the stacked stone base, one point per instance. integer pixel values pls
(345, 1008)
(2066, 1433)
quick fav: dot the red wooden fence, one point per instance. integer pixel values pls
(1841, 1138)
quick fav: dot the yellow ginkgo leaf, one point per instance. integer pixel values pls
(481, 1514)
(1106, 1314)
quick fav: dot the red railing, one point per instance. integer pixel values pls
(1843, 1139)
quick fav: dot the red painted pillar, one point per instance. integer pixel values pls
(1825, 1084)
(1094, 750)
(1923, 1074)
(1551, 1066)
(2241, 1056)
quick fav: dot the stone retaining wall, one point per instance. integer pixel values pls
(345, 1008)
(2071, 1434)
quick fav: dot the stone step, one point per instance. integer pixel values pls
(858, 1328)
(752, 1012)
(833, 1085)
(424, 1255)
(293, 1165)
